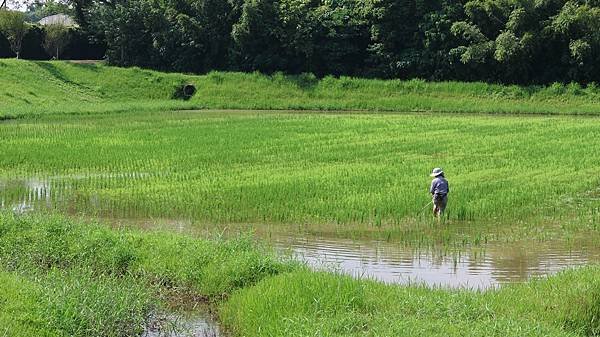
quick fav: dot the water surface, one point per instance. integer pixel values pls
(479, 267)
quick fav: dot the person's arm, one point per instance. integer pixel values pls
(432, 188)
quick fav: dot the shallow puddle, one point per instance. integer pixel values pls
(478, 267)
(188, 324)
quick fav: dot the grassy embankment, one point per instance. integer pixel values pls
(61, 278)
(32, 88)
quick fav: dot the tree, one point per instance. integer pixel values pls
(340, 39)
(127, 30)
(192, 35)
(577, 28)
(14, 28)
(56, 39)
(397, 36)
(259, 38)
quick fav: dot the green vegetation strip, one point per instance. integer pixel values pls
(307, 303)
(32, 88)
(64, 278)
(74, 302)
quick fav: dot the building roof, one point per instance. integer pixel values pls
(61, 19)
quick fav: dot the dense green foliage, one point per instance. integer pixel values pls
(34, 88)
(512, 41)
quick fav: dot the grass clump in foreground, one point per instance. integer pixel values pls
(305, 303)
(61, 278)
(73, 279)
(33, 88)
(72, 303)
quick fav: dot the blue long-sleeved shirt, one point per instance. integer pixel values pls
(439, 186)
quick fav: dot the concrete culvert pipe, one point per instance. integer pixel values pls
(189, 90)
(184, 91)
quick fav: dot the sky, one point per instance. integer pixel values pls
(16, 4)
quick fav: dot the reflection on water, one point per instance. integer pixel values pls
(476, 267)
(67, 193)
(189, 324)
(23, 196)
(472, 267)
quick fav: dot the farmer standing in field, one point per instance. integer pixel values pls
(439, 191)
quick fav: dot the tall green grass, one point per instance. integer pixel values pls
(65, 278)
(32, 88)
(72, 303)
(212, 267)
(305, 303)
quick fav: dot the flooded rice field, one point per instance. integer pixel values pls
(472, 266)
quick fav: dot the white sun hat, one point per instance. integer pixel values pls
(436, 172)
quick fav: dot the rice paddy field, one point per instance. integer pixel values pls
(350, 171)
(293, 206)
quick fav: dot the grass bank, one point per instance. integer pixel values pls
(65, 278)
(305, 303)
(76, 302)
(32, 88)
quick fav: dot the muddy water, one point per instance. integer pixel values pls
(478, 267)
(197, 323)
(482, 266)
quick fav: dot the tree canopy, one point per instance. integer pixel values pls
(509, 41)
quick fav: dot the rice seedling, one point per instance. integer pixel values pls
(103, 142)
